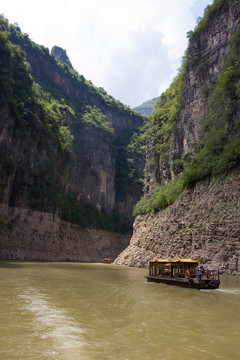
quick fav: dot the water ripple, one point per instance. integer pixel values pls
(229, 291)
(51, 324)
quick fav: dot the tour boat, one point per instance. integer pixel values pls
(107, 261)
(183, 272)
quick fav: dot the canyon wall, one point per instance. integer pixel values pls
(204, 224)
(40, 236)
(206, 55)
(61, 143)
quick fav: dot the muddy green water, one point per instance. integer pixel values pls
(93, 311)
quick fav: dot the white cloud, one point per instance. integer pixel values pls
(132, 48)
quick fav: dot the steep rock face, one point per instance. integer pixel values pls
(97, 182)
(16, 178)
(36, 235)
(90, 173)
(59, 143)
(203, 224)
(61, 55)
(46, 71)
(207, 54)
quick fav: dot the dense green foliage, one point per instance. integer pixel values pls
(162, 122)
(203, 22)
(161, 127)
(137, 144)
(218, 149)
(130, 160)
(17, 37)
(85, 112)
(94, 116)
(26, 99)
(61, 55)
(41, 107)
(146, 108)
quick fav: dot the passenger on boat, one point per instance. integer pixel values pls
(201, 271)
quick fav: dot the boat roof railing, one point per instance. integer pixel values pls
(166, 261)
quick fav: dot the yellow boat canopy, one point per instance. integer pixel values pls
(165, 261)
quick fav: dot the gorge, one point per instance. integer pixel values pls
(66, 172)
(72, 158)
(191, 202)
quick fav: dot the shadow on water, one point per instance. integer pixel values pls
(11, 264)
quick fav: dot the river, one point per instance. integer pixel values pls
(72, 311)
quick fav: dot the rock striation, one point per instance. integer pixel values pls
(206, 56)
(35, 235)
(91, 172)
(60, 141)
(202, 224)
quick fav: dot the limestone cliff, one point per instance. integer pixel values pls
(35, 235)
(206, 56)
(193, 127)
(93, 174)
(61, 55)
(61, 139)
(202, 224)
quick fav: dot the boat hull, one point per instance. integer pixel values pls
(193, 283)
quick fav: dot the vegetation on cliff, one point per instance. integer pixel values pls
(218, 148)
(203, 22)
(132, 149)
(162, 122)
(43, 109)
(61, 55)
(146, 107)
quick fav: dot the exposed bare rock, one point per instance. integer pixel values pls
(35, 235)
(207, 54)
(61, 55)
(203, 224)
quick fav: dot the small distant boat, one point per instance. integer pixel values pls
(183, 272)
(107, 261)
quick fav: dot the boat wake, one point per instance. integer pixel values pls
(229, 291)
(59, 332)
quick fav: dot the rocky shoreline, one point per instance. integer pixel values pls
(204, 224)
(37, 236)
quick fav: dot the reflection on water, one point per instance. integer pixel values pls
(95, 311)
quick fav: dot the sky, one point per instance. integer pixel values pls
(131, 48)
